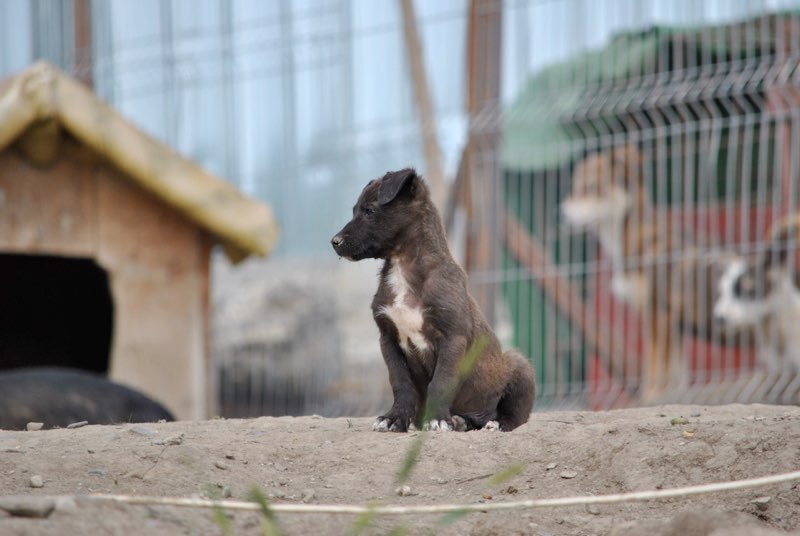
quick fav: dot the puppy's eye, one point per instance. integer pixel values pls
(368, 211)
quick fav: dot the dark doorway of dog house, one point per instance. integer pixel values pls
(56, 311)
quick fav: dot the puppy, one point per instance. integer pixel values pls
(446, 368)
(609, 198)
(764, 292)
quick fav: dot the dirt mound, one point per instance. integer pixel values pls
(340, 461)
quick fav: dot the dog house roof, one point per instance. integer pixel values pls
(43, 95)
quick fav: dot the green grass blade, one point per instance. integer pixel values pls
(269, 523)
(509, 472)
(450, 518)
(362, 522)
(221, 519)
(471, 357)
(411, 458)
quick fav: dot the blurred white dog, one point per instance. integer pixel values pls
(764, 292)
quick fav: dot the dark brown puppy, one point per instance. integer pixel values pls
(427, 319)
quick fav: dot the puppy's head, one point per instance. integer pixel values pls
(385, 210)
(748, 289)
(605, 186)
(745, 290)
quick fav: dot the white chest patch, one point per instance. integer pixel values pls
(407, 319)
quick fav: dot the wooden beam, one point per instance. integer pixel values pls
(483, 180)
(82, 44)
(434, 170)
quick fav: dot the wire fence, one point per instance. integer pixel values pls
(649, 189)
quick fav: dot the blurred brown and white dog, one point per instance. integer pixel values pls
(656, 269)
(764, 292)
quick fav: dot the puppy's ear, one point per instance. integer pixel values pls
(783, 242)
(393, 183)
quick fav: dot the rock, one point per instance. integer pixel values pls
(679, 420)
(142, 430)
(98, 472)
(34, 426)
(593, 509)
(551, 466)
(77, 425)
(282, 481)
(568, 474)
(36, 481)
(220, 465)
(404, 491)
(762, 503)
(228, 456)
(285, 313)
(307, 495)
(27, 506)
(172, 440)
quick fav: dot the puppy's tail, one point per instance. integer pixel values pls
(516, 404)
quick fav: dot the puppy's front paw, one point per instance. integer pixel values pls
(390, 424)
(492, 426)
(433, 425)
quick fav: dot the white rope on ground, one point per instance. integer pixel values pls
(452, 508)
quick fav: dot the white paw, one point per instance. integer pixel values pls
(380, 425)
(435, 425)
(387, 425)
(492, 426)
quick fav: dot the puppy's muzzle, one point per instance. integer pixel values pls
(339, 246)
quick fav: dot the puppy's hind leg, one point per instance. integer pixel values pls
(516, 404)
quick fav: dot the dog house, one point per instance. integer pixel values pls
(105, 243)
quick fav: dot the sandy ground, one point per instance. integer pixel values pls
(341, 461)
